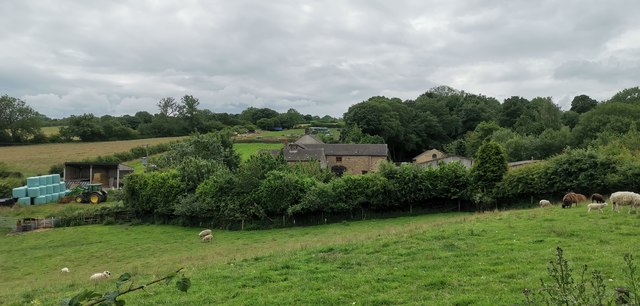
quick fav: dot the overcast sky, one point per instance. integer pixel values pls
(319, 57)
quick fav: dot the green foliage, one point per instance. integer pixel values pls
(582, 104)
(211, 146)
(194, 170)
(124, 285)
(18, 121)
(57, 169)
(489, 166)
(628, 95)
(281, 190)
(565, 289)
(153, 192)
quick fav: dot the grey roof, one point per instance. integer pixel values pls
(523, 162)
(301, 155)
(350, 149)
(307, 139)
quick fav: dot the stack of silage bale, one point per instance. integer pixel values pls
(40, 190)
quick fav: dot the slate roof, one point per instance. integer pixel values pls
(301, 154)
(350, 149)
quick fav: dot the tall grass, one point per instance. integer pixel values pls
(440, 259)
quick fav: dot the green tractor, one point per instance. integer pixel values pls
(92, 193)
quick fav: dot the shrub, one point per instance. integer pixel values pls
(154, 192)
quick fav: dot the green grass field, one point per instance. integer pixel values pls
(247, 149)
(439, 259)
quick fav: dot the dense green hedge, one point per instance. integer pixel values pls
(584, 171)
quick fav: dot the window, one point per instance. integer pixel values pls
(365, 171)
(338, 159)
(434, 156)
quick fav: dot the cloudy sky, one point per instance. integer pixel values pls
(319, 57)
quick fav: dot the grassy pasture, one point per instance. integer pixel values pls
(439, 259)
(247, 149)
(37, 159)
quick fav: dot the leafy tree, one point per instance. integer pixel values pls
(291, 118)
(489, 167)
(512, 109)
(188, 111)
(582, 104)
(570, 118)
(211, 146)
(482, 132)
(18, 121)
(168, 107)
(87, 127)
(628, 95)
(613, 117)
(281, 190)
(253, 114)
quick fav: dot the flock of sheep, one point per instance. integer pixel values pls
(205, 236)
(617, 199)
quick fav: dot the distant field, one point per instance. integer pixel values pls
(37, 159)
(439, 259)
(51, 130)
(247, 149)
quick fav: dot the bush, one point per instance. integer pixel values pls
(154, 192)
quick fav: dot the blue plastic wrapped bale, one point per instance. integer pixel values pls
(56, 178)
(33, 192)
(24, 201)
(49, 189)
(62, 186)
(40, 200)
(48, 200)
(42, 180)
(49, 179)
(61, 194)
(54, 197)
(56, 188)
(43, 190)
(33, 181)
(19, 192)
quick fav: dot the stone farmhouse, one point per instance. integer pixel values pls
(433, 158)
(354, 159)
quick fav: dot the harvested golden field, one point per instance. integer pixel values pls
(37, 159)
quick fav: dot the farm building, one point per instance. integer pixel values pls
(340, 158)
(428, 156)
(433, 158)
(110, 175)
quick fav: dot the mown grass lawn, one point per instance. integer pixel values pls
(439, 259)
(247, 149)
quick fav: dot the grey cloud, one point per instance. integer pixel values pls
(69, 57)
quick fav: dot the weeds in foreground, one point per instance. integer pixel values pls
(565, 290)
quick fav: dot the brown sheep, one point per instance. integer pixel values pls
(572, 197)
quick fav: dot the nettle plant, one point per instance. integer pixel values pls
(124, 285)
(564, 289)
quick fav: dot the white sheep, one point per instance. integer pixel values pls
(204, 233)
(207, 238)
(545, 203)
(598, 206)
(621, 198)
(65, 270)
(100, 276)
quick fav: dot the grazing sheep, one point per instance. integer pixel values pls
(597, 198)
(572, 197)
(207, 238)
(598, 206)
(204, 233)
(65, 269)
(545, 203)
(100, 276)
(621, 198)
